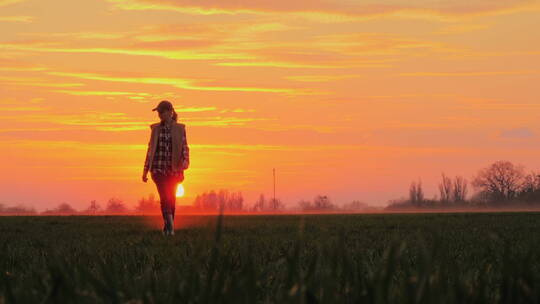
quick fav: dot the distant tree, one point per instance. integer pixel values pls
(65, 208)
(19, 209)
(322, 202)
(445, 189)
(452, 191)
(94, 207)
(501, 181)
(459, 189)
(275, 204)
(223, 199)
(305, 205)
(148, 205)
(210, 201)
(416, 194)
(116, 205)
(530, 188)
(399, 203)
(260, 204)
(229, 201)
(236, 201)
(355, 205)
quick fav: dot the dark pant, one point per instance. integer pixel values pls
(166, 186)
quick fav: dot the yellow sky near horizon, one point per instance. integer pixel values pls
(353, 99)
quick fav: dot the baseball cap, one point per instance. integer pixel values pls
(163, 105)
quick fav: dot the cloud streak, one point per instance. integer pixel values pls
(9, 2)
(470, 73)
(101, 93)
(181, 83)
(176, 54)
(435, 10)
(21, 19)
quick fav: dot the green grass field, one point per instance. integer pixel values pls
(371, 258)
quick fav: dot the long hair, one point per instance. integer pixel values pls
(174, 116)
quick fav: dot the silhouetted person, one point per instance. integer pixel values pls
(167, 157)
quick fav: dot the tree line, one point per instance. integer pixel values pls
(209, 201)
(500, 184)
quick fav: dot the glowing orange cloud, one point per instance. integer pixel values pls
(403, 8)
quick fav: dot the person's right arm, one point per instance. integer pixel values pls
(147, 159)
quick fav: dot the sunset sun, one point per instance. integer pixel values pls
(179, 190)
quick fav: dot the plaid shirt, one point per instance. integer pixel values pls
(162, 162)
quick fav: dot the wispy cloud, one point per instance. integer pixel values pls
(36, 82)
(243, 110)
(470, 73)
(279, 65)
(21, 69)
(81, 35)
(176, 44)
(92, 146)
(115, 121)
(461, 28)
(434, 10)
(176, 54)
(187, 84)
(517, 133)
(9, 2)
(239, 44)
(101, 93)
(196, 109)
(321, 78)
(220, 121)
(21, 19)
(18, 109)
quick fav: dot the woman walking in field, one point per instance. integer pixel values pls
(167, 157)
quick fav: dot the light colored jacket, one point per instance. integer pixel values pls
(180, 153)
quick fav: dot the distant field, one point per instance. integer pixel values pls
(372, 258)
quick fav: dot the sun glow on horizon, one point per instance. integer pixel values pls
(179, 190)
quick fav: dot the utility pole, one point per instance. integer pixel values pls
(274, 170)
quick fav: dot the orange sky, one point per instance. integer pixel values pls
(352, 99)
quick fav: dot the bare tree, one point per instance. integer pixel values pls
(260, 204)
(445, 189)
(500, 181)
(530, 188)
(416, 194)
(459, 189)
